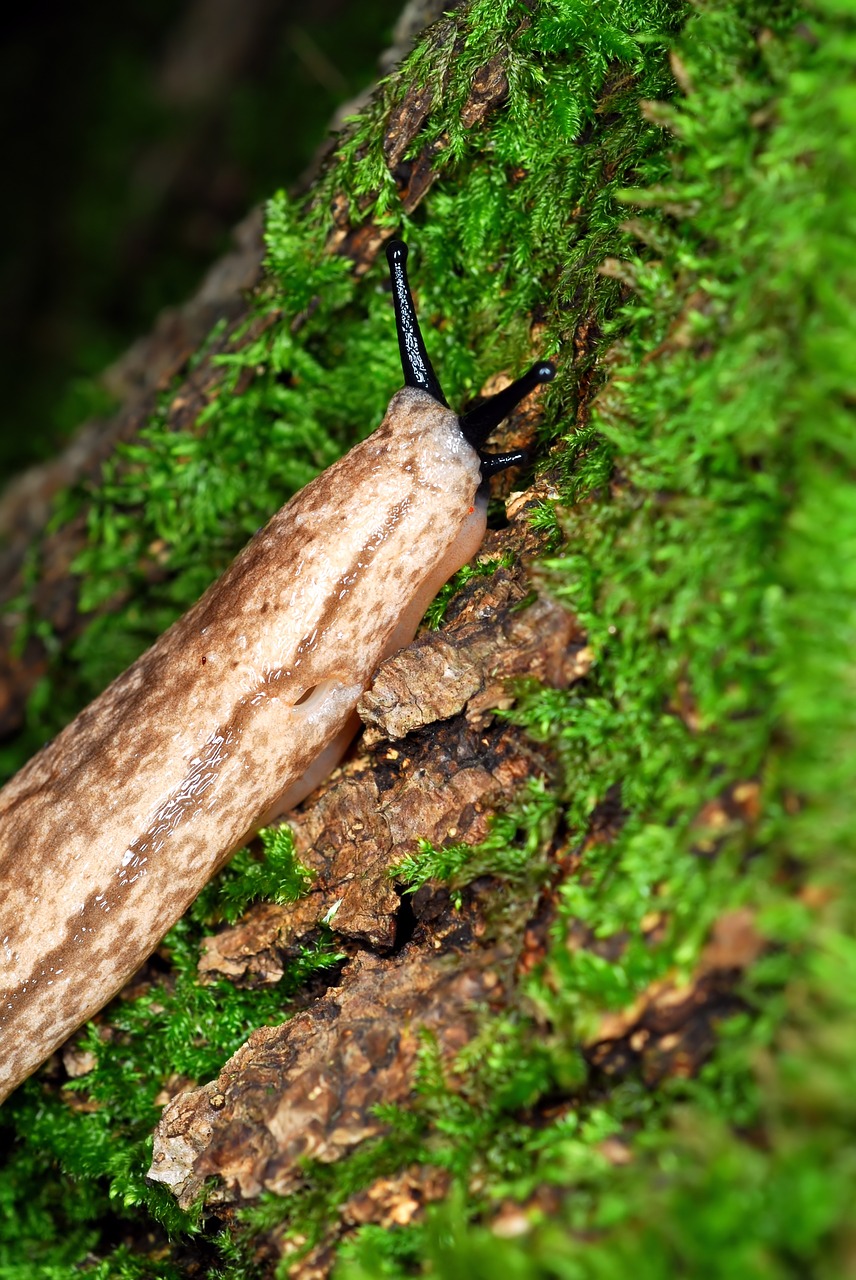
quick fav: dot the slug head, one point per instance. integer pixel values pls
(476, 425)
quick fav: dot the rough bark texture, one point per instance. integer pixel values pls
(310, 1088)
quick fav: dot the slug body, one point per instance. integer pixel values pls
(236, 712)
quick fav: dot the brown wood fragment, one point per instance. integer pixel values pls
(440, 675)
(387, 1202)
(416, 178)
(488, 92)
(396, 1201)
(76, 1061)
(405, 120)
(446, 786)
(736, 808)
(309, 1088)
(670, 1030)
(361, 243)
(735, 942)
(673, 1033)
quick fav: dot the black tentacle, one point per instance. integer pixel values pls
(479, 422)
(493, 463)
(414, 358)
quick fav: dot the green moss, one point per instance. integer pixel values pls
(275, 875)
(481, 568)
(720, 562)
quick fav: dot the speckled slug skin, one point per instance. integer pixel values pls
(111, 831)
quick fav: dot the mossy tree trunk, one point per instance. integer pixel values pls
(616, 1022)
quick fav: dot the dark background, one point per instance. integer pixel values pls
(136, 136)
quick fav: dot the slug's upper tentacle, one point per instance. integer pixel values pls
(414, 358)
(479, 422)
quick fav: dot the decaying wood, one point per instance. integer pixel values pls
(473, 666)
(443, 787)
(309, 1088)
(386, 1202)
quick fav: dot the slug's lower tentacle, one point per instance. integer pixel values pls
(493, 463)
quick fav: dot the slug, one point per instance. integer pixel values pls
(239, 710)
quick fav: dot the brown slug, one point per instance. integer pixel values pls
(238, 711)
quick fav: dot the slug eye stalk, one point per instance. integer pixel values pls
(485, 417)
(414, 358)
(476, 425)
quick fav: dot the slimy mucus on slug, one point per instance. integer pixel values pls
(238, 711)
